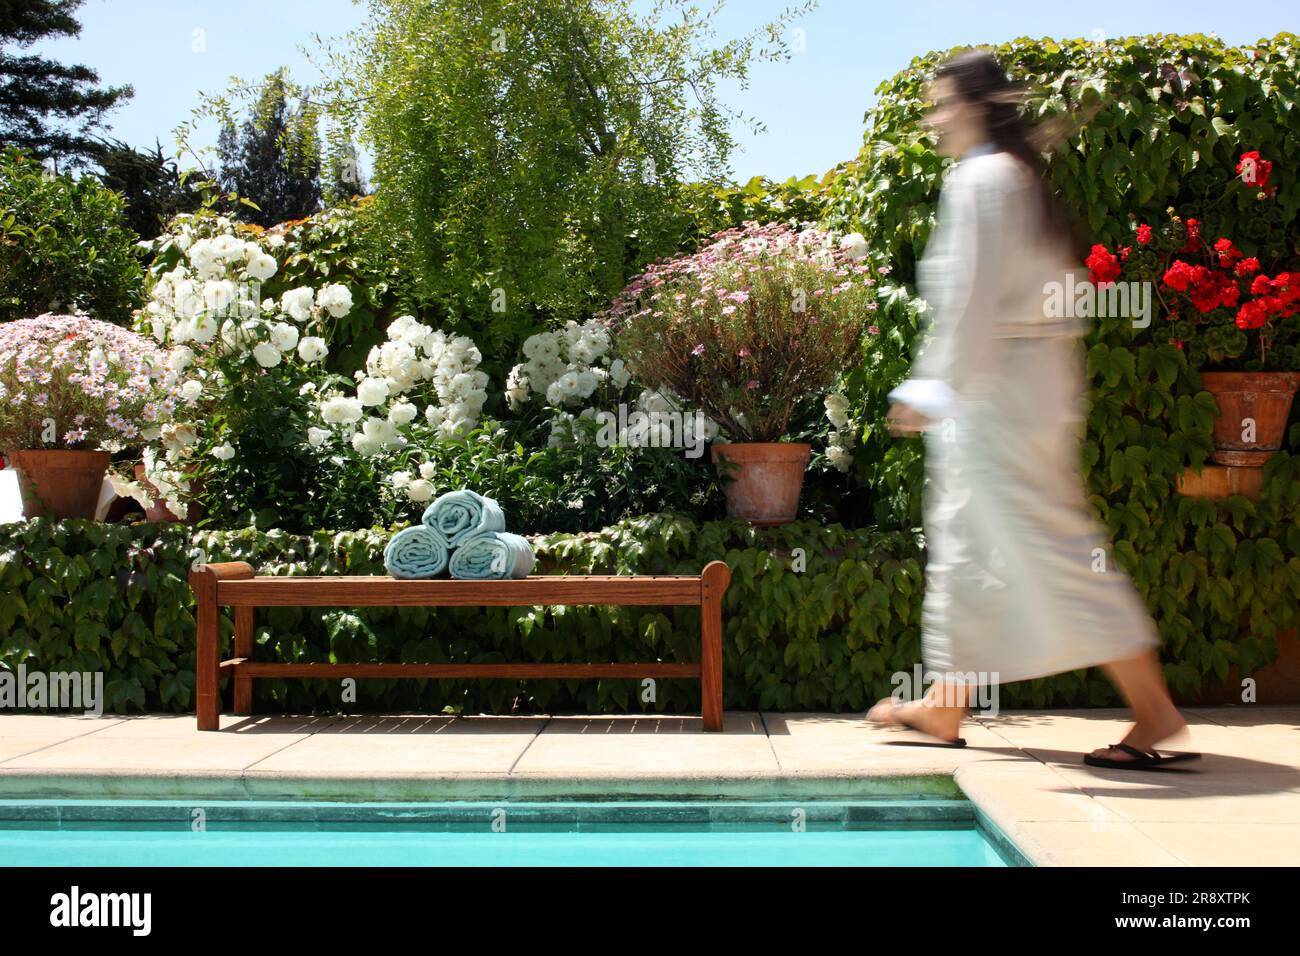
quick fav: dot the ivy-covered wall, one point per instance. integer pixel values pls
(821, 628)
(1171, 116)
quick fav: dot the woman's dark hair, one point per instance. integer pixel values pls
(980, 81)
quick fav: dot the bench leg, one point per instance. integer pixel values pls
(244, 649)
(207, 655)
(712, 588)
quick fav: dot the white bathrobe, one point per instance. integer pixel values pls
(1020, 580)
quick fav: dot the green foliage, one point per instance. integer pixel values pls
(348, 244)
(1175, 113)
(276, 481)
(823, 628)
(536, 152)
(718, 207)
(64, 243)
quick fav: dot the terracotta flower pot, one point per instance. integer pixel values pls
(159, 511)
(1253, 411)
(766, 488)
(60, 484)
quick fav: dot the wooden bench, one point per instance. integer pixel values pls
(235, 585)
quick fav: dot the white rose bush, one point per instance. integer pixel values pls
(237, 352)
(420, 388)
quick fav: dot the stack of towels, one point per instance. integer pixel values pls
(465, 533)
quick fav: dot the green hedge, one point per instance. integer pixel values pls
(824, 635)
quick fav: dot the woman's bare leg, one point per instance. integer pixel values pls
(1141, 683)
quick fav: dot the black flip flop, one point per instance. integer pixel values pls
(932, 742)
(1142, 760)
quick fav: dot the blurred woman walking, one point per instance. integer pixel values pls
(1019, 583)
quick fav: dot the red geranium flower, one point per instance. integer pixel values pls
(1252, 315)
(1179, 276)
(1253, 170)
(1144, 234)
(1228, 253)
(1246, 266)
(1103, 266)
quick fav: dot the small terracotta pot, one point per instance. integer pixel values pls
(159, 511)
(1264, 398)
(766, 488)
(60, 484)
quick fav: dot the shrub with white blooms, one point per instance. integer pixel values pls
(206, 308)
(564, 367)
(572, 371)
(419, 384)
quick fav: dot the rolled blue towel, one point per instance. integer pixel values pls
(491, 555)
(416, 552)
(459, 514)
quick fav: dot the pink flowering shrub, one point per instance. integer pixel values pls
(751, 326)
(71, 382)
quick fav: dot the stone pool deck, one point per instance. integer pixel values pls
(1022, 769)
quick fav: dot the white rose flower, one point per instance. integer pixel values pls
(618, 373)
(854, 245)
(372, 391)
(203, 329)
(839, 458)
(224, 452)
(284, 336)
(298, 302)
(317, 436)
(191, 390)
(402, 413)
(312, 349)
(837, 409)
(420, 490)
(218, 296)
(335, 299)
(341, 410)
(400, 479)
(261, 266)
(266, 354)
(428, 470)
(180, 358)
(365, 445)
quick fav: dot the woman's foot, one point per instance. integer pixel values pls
(940, 722)
(1145, 737)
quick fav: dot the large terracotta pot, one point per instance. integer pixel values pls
(158, 511)
(1263, 397)
(60, 484)
(766, 488)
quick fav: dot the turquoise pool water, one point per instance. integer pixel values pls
(926, 832)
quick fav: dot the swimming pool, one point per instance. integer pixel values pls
(910, 832)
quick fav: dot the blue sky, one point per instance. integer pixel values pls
(812, 106)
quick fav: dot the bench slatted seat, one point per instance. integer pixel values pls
(234, 584)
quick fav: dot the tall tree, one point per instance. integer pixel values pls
(536, 150)
(153, 186)
(49, 109)
(273, 159)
